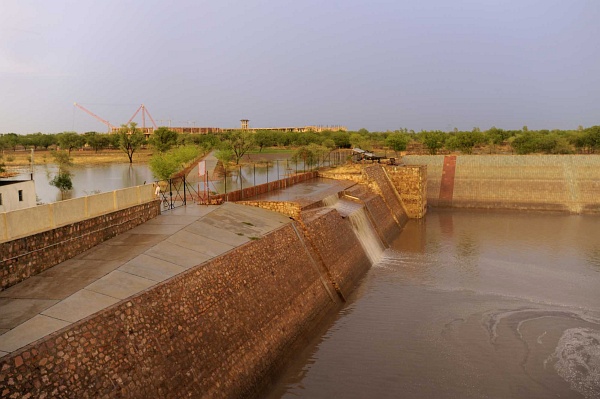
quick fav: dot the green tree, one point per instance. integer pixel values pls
(264, 138)
(163, 139)
(165, 165)
(47, 140)
(11, 140)
(62, 179)
(526, 142)
(97, 141)
(433, 140)
(397, 142)
(130, 139)
(240, 142)
(465, 141)
(341, 139)
(70, 140)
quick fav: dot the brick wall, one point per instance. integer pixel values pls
(568, 183)
(27, 256)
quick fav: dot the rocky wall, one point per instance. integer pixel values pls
(382, 185)
(411, 184)
(27, 256)
(339, 250)
(219, 330)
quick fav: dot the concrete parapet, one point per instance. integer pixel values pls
(24, 222)
(68, 211)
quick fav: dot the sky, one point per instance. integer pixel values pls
(379, 65)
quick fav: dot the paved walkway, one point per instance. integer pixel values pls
(124, 266)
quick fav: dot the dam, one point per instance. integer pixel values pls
(397, 303)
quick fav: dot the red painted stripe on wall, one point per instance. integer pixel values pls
(447, 182)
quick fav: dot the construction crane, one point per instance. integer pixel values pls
(107, 123)
(144, 113)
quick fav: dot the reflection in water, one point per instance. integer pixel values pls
(88, 179)
(467, 305)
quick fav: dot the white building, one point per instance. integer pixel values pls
(16, 194)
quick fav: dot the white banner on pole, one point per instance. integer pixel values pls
(201, 168)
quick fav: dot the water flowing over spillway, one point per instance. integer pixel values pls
(467, 305)
(361, 225)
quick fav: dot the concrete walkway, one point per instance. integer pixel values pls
(124, 266)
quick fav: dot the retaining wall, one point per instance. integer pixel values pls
(337, 247)
(249, 192)
(569, 183)
(219, 330)
(381, 184)
(50, 234)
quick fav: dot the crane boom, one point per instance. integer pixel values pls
(144, 113)
(107, 123)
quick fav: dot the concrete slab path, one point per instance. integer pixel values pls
(125, 265)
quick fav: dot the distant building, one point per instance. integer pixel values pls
(314, 128)
(245, 125)
(16, 194)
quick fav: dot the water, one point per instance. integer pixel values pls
(467, 305)
(87, 180)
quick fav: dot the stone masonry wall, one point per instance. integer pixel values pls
(28, 256)
(340, 251)
(218, 330)
(411, 184)
(569, 183)
(383, 186)
(287, 208)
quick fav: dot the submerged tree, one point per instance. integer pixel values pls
(130, 139)
(62, 180)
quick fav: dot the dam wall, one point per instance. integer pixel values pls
(43, 236)
(220, 329)
(344, 271)
(567, 183)
(406, 183)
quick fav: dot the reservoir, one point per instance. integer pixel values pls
(466, 305)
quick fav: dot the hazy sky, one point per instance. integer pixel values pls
(419, 64)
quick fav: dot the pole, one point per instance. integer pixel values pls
(241, 184)
(184, 195)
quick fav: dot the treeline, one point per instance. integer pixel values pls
(493, 140)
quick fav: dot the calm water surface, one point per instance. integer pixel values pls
(467, 305)
(87, 180)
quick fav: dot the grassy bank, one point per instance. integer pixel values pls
(85, 157)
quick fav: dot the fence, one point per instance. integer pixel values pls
(240, 182)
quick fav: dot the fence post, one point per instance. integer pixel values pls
(241, 184)
(184, 195)
(170, 194)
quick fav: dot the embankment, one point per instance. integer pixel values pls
(567, 183)
(223, 328)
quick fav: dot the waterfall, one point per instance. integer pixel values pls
(330, 200)
(366, 235)
(361, 225)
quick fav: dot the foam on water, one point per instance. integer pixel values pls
(577, 358)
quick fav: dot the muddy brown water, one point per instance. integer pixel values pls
(466, 305)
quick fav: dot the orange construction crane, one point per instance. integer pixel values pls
(107, 123)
